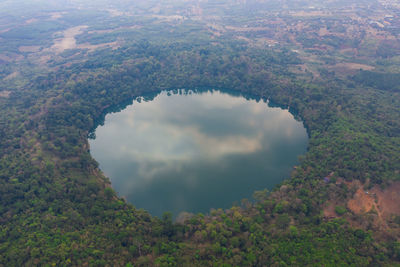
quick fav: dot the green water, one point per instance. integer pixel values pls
(192, 152)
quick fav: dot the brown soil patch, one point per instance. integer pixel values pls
(384, 202)
(329, 211)
(362, 202)
(388, 199)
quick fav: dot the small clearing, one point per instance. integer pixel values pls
(354, 66)
(361, 202)
(68, 41)
(384, 202)
(329, 211)
(388, 199)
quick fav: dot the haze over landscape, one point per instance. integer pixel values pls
(285, 153)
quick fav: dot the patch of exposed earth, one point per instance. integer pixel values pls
(68, 41)
(350, 68)
(383, 202)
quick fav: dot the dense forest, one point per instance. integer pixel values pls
(58, 209)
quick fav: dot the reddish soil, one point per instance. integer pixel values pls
(329, 211)
(388, 200)
(383, 202)
(362, 202)
(380, 205)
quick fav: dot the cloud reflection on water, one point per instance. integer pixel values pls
(181, 147)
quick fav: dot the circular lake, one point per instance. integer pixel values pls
(193, 151)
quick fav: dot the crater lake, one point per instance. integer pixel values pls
(192, 151)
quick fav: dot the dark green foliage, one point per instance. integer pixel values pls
(340, 210)
(382, 81)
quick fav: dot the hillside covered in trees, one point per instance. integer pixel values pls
(334, 64)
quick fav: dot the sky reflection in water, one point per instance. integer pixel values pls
(193, 152)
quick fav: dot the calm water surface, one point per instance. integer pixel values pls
(191, 151)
